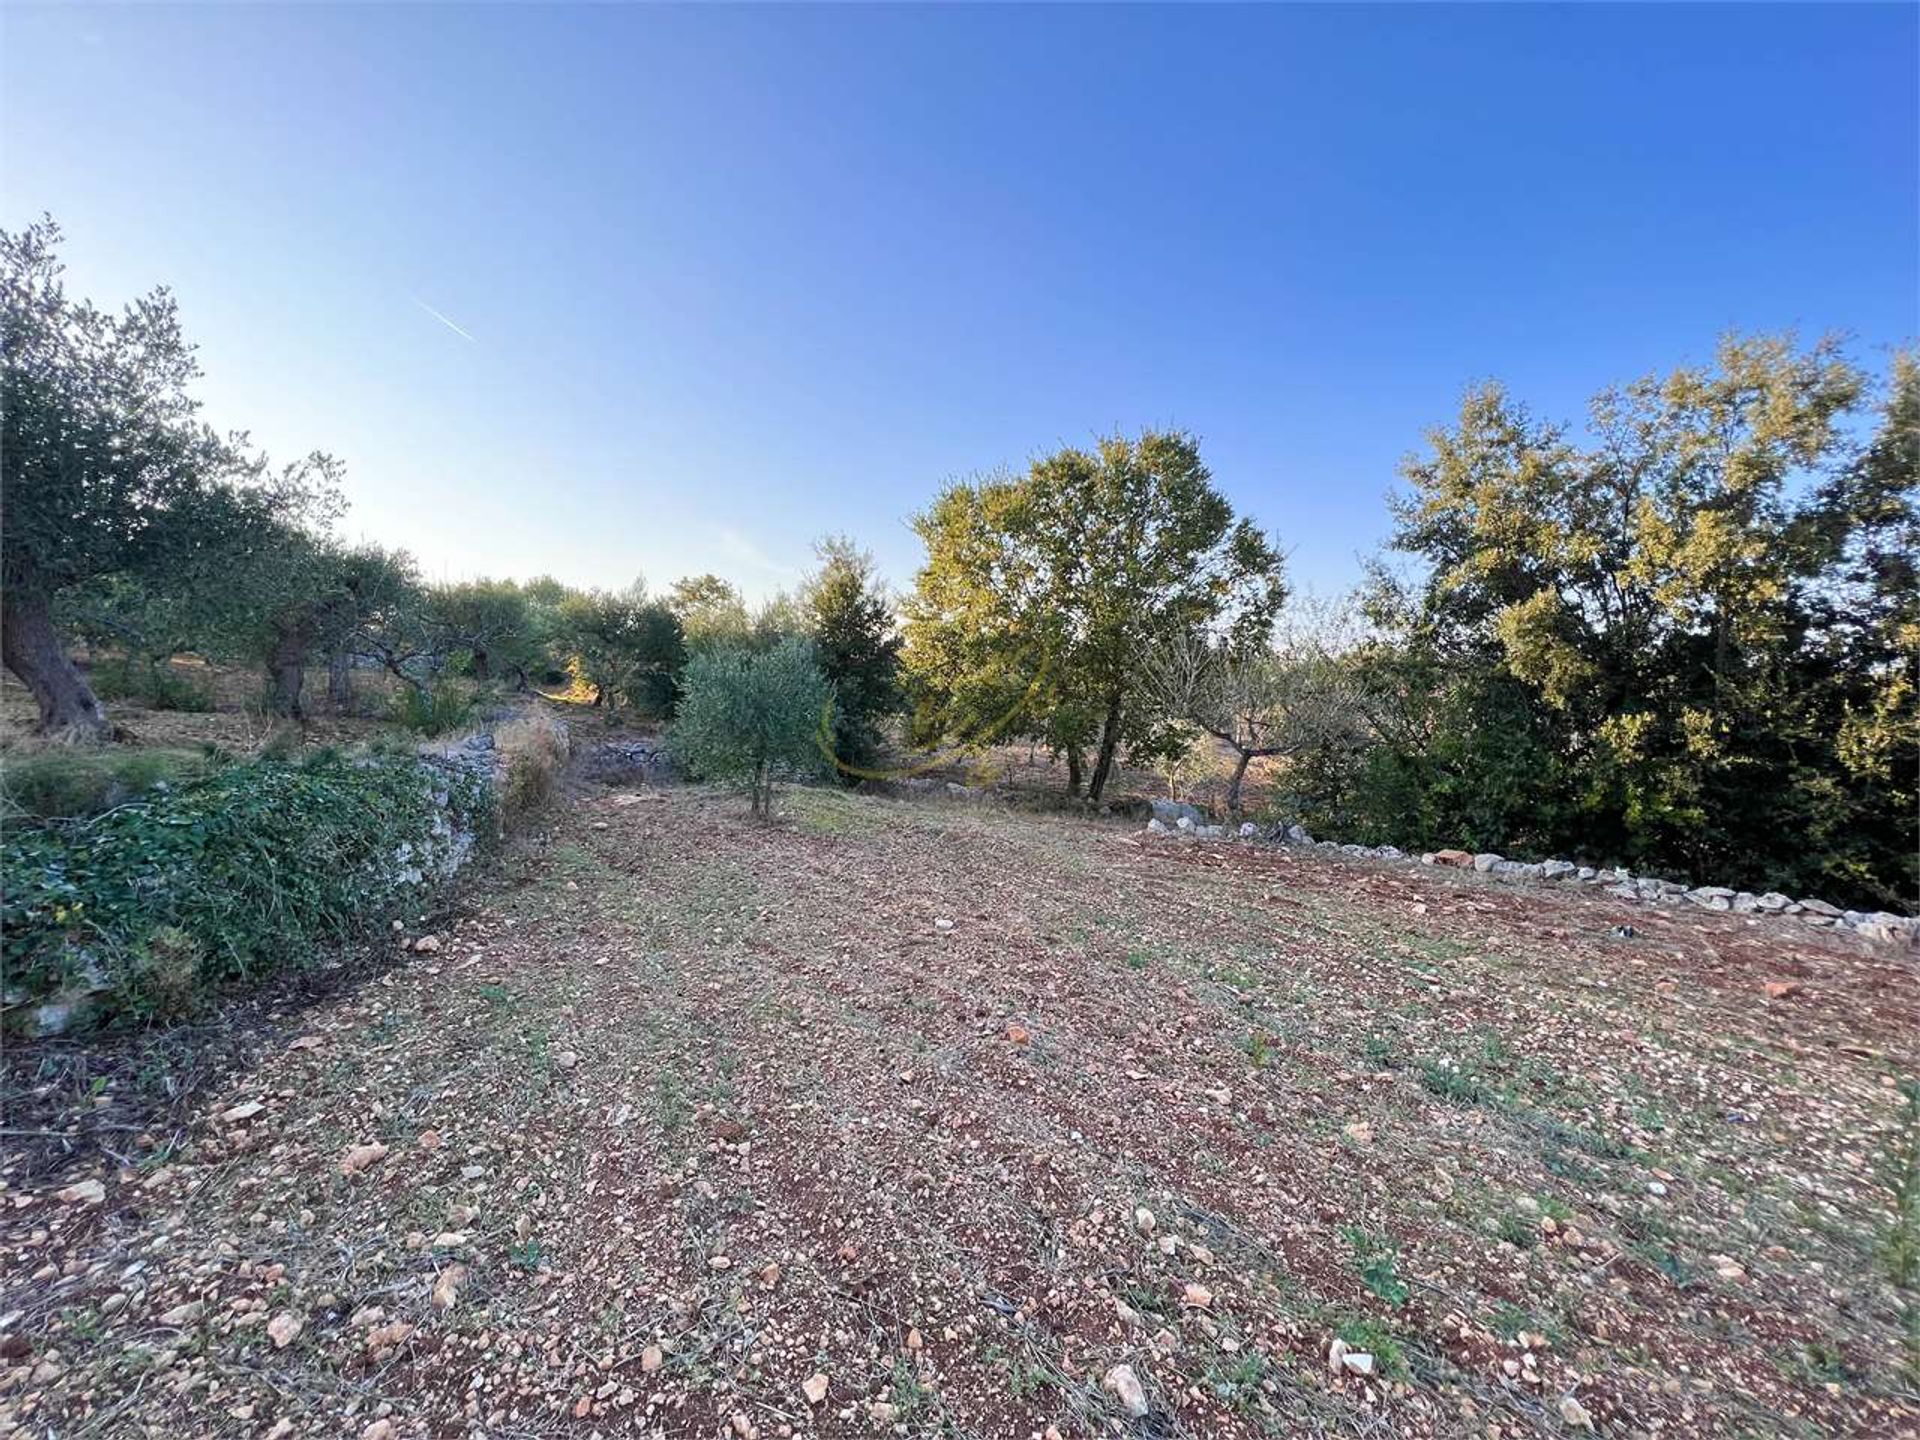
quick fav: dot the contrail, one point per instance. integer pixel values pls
(444, 321)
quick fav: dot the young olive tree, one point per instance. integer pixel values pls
(747, 716)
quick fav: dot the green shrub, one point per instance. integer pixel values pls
(444, 706)
(158, 687)
(74, 783)
(230, 876)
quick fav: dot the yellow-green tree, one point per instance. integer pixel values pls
(1697, 617)
(1043, 595)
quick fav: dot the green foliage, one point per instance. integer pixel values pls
(1377, 1261)
(852, 624)
(1042, 596)
(110, 474)
(72, 783)
(748, 716)
(1687, 648)
(444, 706)
(493, 625)
(1377, 1340)
(629, 649)
(156, 686)
(230, 876)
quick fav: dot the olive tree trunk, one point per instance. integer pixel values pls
(1239, 774)
(31, 649)
(340, 681)
(287, 669)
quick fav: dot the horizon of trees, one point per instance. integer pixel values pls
(1683, 636)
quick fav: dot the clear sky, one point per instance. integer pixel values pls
(603, 291)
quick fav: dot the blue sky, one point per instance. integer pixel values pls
(733, 278)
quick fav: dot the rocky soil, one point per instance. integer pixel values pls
(902, 1118)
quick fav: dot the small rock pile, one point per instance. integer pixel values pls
(1172, 818)
(616, 762)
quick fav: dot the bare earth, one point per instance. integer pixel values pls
(958, 1109)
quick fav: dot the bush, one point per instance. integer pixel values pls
(746, 717)
(158, 687)
(231, 876)
(75, 783)
(443, 707)
(533, 751)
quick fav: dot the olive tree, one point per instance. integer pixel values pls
(746, 716)
(103, 459)
(1269, 700)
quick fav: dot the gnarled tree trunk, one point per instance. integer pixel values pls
(1073, 771)
(287, 668)
(31, 649)
(1239, 774)
(340, 681)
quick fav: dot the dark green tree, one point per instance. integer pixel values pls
(1685, 645)
(857, 648)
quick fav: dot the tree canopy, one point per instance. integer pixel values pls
(1686, 642)
(1043, 594)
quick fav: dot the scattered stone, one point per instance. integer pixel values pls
(651, 1359)
(427, 944)
(1575, 1414)
(1781, 989)
(1125, 1387)
(567, 1059)
(1143, 1220)
(284, 1329)
(84, 1192)
(814, 1387)
(1198, 1297)
(181, 1316)
(359, 1157)
(446, 1289)
(239, 1114)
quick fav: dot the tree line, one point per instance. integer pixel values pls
(1680, 636)
(134, 526)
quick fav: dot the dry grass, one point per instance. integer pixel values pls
(533, 752)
